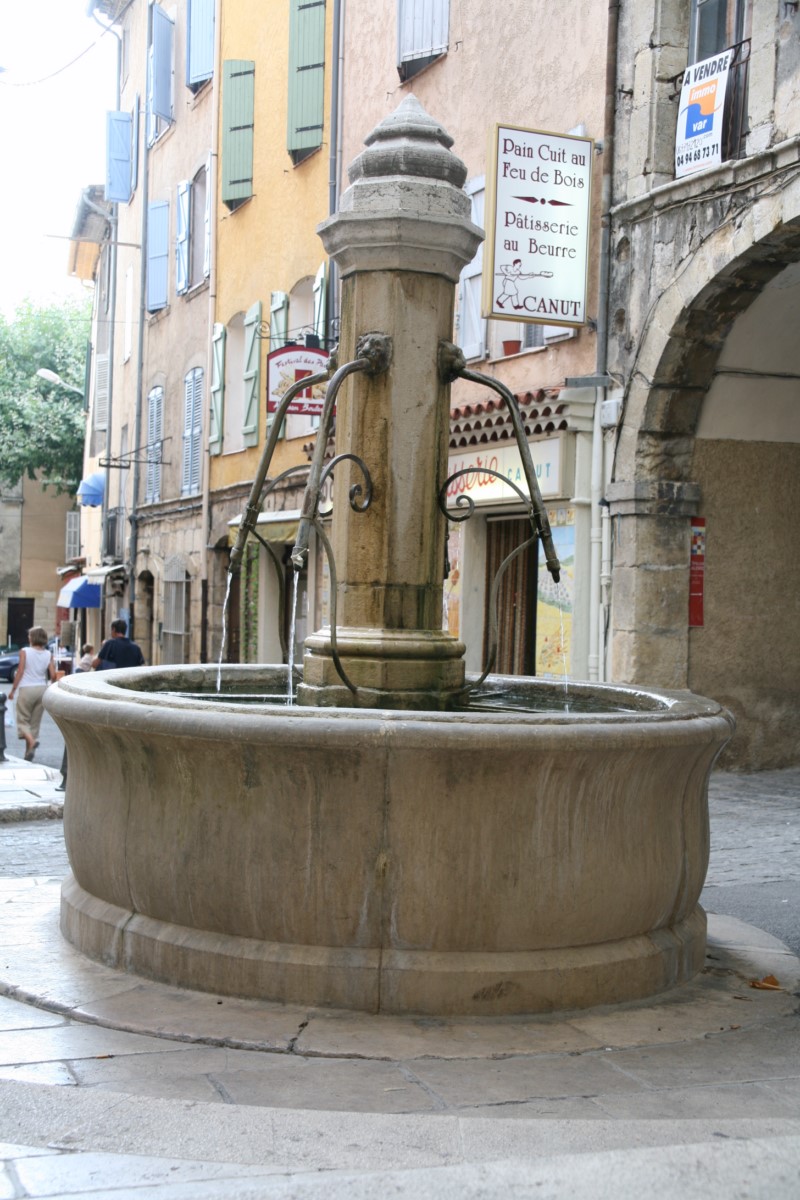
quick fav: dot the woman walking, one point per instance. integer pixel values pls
(36, 668)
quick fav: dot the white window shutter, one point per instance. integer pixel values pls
(188, 426)
(320, 322)
(199, 42)
(422, 31)
(118, 157)
(101, 380)
(252, 373)
(157, 254)
(182, 223)
(163, 30)
(278, 319)
(217, 389)
(197, 429)
(471, 325)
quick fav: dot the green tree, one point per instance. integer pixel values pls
(42, 426)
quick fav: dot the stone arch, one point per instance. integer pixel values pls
(665, 474)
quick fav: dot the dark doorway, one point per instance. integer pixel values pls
(20, 620)
(516, 600)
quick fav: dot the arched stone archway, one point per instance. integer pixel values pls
(710, 429)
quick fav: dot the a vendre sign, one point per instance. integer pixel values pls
(537, 229)
(698, 141)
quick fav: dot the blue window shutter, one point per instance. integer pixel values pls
(252, 373)
(183, 216)
(163, 30)
(306, 77)
(199, 42)
(422, 33)
(238, 99)
(157, 254)
(118, 157)
(217, 389)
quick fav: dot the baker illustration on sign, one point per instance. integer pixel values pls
(511, 274)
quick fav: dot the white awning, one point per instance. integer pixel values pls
(99, 574)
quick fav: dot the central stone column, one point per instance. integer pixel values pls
(400, 240)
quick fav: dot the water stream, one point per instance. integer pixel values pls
(292, 626)
(224, 631)
(562, 588)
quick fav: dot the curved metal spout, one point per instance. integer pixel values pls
(452, 364)
(253, 507)
(374, 355)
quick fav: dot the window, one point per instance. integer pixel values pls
(199, 43)
(301, 324)
(192, 232)
(471, 325)
(176, 612)
(192, 431)
(72, 547)
(251, 374)
(422, 34)
(159, 75)
(306, 78)
(157, 254)
(715, 25)
(155, 416)
(238, 98)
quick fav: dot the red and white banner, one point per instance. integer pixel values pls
(697, 571)
(287, 366)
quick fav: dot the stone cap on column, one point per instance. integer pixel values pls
(405, 209)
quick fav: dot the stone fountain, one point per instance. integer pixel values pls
(382, 845)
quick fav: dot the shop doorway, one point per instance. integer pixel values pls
(20, 620)
(516, 599)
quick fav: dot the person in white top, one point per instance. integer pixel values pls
(36, 668)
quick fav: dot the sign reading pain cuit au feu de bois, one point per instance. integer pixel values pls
(537, 228)
(698, 140)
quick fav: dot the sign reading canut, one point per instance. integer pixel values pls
(537, 230)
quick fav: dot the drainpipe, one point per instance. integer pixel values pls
(113, 222)
(211, 185)
(145, 194)
(334, 161)
(599, 531)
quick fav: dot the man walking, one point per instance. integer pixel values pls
(118, 650)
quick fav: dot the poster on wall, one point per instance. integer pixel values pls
(697, 572)
(537, 227)
(287, 366)
(554, 602)
(698, 140)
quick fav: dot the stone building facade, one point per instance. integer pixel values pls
(704, 355)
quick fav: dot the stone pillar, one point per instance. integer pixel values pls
(400, 240)
(650, 581)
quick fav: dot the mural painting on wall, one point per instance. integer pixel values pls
(555, 600)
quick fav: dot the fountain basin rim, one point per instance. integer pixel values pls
(134, 686)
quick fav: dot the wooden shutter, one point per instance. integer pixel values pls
(422, 32)
(157, 254)
(252, 373)
(217, 390)
(238, 97)
(278, 319)
(101, 392)
(320, 298)
(118, 157)
(182, 225)
(199, 42)
(155, 405)
(306, 77)
(163, 30)
(192, 431)
(471, 325)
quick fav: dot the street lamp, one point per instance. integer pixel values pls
(51, 377)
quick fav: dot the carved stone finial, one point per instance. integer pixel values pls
(409, 142)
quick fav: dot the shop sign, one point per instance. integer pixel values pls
(537, 229)
(698, 141)
(288, 365)
(482, 485)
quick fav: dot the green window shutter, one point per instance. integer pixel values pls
(238, 98)
(252, 373)
(217, 390)
(278, 319)
(306, 77)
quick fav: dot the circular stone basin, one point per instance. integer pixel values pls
(475, 862)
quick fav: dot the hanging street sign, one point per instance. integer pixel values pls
(698, 141)
(537, 228)
(288, 365)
